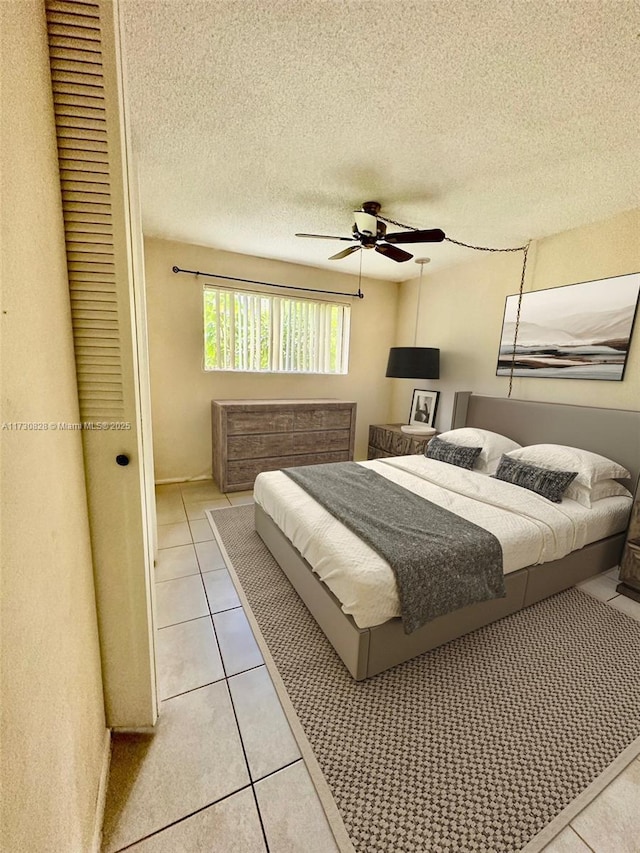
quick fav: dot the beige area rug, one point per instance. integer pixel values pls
(490, 743)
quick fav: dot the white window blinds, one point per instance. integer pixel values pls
(258, 332)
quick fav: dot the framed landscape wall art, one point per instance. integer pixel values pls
(577, 331)
(423, 407)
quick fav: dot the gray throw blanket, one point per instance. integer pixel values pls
(441, 562)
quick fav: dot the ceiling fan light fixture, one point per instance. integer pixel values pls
(366, 224)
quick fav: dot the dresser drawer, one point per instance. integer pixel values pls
(243, 472)
(247, 423)
(285, 444)
(321, 419)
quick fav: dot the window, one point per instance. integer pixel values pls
(258, 332)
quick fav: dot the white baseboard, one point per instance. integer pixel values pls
(96, 844)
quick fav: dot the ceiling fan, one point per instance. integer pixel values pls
(369, 232)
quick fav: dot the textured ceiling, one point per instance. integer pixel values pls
(495, 121)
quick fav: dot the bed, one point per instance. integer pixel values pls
(542, 556)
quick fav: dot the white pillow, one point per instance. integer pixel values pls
(588, 496)
(492, 443)
(591, 467)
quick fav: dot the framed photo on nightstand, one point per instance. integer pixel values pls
(423, 407)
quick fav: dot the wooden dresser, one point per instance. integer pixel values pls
(250, 436)
(388, 440)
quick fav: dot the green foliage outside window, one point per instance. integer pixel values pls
(259, 332)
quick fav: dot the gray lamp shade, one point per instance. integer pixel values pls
(414, 363)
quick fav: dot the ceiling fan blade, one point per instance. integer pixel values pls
(345, 252)
(430, 235)
(398, 255)
(326, 237)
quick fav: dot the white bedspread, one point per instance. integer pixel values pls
(529, 528)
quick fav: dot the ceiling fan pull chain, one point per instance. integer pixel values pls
(486, 248)
(399, 224)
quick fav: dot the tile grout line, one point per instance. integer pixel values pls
(171, 547)
(193, 689)
(179, 577)
(235, 716)
(183, 621)
(248, 669)
(233, 708)
(581, 839)
(216, 680)
(278, 769)
(227, 610)
(181, 819)
(246, 760)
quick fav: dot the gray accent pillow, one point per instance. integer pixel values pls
(543, 481)
(454, 454)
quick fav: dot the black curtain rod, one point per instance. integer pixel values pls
(358, 295)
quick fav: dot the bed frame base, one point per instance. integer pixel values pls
(368, 651)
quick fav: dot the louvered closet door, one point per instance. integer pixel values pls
(107, 308)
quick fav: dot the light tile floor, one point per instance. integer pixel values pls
(222, 772)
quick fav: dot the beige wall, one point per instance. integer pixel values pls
(181, 391)
(462, 308)
(53, 730)
(461, 311)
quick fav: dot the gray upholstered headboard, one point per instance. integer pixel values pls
(614, 433)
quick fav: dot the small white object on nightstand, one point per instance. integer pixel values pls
(416, 429)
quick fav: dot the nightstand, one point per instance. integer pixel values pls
(389, 440)
(630, 564)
